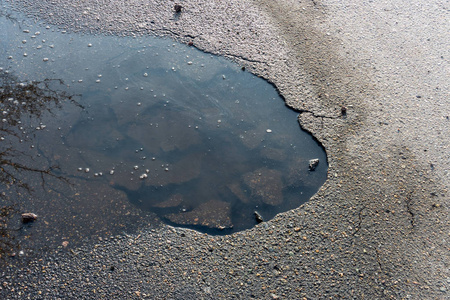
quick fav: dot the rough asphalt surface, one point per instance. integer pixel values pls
(377, 229)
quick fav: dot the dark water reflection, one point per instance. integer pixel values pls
(166, 132)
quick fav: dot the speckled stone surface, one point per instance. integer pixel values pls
(377, 229)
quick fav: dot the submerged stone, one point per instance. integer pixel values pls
(212, 214)
(266, 185)
(173, 201)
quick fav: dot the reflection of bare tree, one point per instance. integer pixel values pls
(6, 233)
(21, 104)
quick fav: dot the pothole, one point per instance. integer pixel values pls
(181, 134)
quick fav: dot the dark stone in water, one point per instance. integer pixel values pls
(313, 163)
(258, 217)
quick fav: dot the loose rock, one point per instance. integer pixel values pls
(28, 217)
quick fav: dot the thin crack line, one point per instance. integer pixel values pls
(378, 259)
(301, 111)
(359, 220)
(247, 59)
(408, 201)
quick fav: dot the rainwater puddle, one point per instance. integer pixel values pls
(142, 130)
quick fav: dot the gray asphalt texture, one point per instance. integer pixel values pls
(377, 229)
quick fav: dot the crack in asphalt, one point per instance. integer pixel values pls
(302, 111)
(377, 252)
(408, 203)
(177, 34)
(246, 59)
(359, 221)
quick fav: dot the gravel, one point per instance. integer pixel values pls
(377, 229)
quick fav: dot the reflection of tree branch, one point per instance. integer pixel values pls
(20, 167)
(22, 103)
(31, 99)
(6, 238)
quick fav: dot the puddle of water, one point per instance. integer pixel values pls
(157, 129)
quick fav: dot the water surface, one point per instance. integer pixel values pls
(143, 130)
